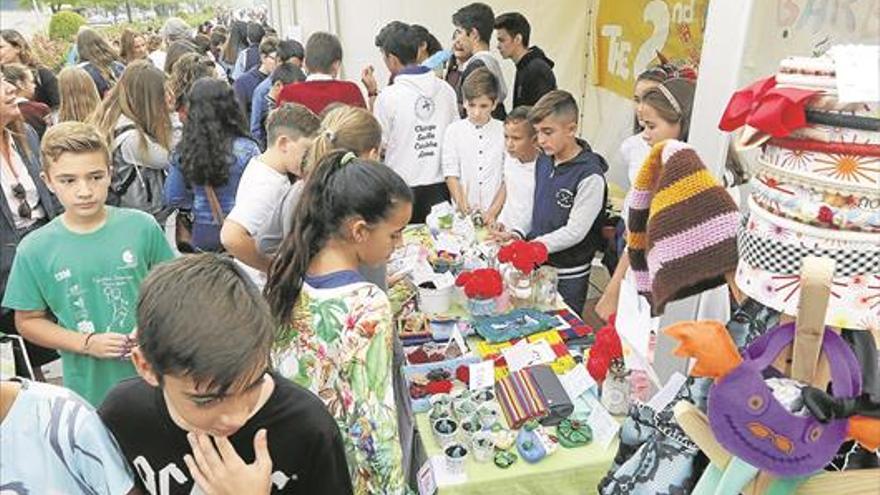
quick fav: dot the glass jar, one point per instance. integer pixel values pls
(546, 281)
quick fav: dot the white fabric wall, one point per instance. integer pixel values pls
(559, 27)
(562, 28)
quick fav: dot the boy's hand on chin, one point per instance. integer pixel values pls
(218, 470)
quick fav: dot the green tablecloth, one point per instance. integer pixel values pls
(566, 471)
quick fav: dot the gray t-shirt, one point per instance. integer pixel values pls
(279, 224)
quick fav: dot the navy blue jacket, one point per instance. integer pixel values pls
(555, 190)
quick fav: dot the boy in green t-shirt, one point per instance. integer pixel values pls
(84, 267)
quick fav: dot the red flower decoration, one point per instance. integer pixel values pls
(525, 256)
(483, 283)
(826, 215)
(598, 367)
(606, 349)
(463, 373)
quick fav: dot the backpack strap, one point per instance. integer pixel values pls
(216, 210)
(119, 131)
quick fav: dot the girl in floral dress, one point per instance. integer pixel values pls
(337, 335)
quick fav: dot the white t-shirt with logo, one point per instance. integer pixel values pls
(414, 113)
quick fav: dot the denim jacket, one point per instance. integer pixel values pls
(180, 194)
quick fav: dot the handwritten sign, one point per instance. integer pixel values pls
(628, 36)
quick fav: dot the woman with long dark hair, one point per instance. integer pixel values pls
(207, 164)
(14, 49)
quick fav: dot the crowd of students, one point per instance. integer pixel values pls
(274, 366)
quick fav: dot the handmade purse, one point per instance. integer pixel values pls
(745, 416)
(558, 403)
(520, 398)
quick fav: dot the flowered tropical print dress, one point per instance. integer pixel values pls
(339, 346)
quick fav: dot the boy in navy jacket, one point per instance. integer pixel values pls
(570, 195)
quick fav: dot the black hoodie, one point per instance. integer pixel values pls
(534, 77)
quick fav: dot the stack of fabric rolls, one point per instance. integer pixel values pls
(816, 191)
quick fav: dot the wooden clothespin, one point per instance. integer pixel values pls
(816, 277)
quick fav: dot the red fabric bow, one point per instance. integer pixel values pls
(762, 105)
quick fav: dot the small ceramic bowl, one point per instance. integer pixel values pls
(445, 431)
(468, 427)
(488, 415)
(483, 446)
(441, 402)
(455, 455)
(464, 408)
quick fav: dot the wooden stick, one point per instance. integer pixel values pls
(816, 276)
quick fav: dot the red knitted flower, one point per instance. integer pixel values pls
(525, 256)
(482, 283)
(606, 349)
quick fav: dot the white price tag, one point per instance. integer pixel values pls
(458, 339)
(525, 354)
(666, 394)
(442, 475)
(602, 423)
(857, 69)
(576, 382)
(427, 485)
(481, 375)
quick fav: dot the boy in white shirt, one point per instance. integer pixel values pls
(290, 130)
(521, 143)
(473, 150)
(414, 113)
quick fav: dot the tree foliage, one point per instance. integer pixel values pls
(64, 25)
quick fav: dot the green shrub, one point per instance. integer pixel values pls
(197, 18)
(64, 25)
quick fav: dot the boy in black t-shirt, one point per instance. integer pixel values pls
(205, 409)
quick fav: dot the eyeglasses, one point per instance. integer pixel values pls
(24, 209)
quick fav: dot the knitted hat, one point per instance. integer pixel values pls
(682, 226)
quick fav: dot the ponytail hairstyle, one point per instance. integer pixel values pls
(673, 100)
(342, 186)
(350, 128)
